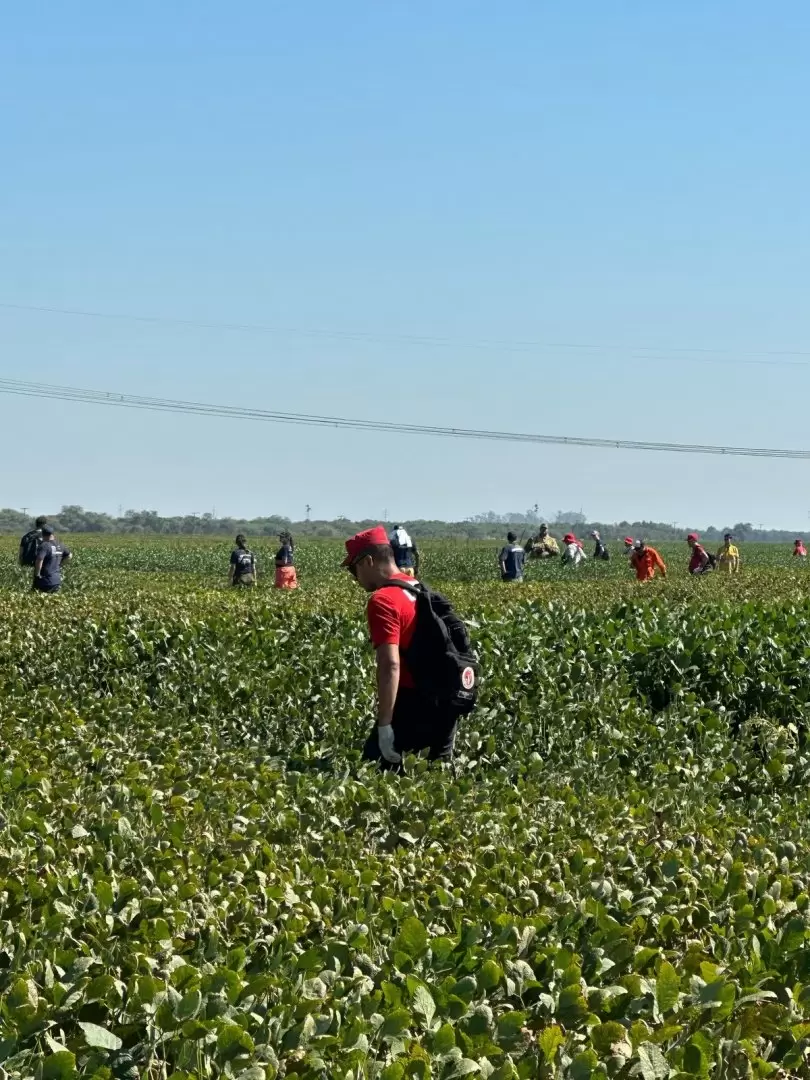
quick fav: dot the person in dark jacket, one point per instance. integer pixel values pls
(51, 557)
(242, 572)
(600, 551)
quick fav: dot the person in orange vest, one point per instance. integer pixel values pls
(645, 561)
(799, 550)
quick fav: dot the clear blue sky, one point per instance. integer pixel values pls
(623, 175)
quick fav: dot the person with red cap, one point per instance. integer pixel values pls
(699, 563)
(799, 550)
(629, 546)
(572, 552)
(407, 719)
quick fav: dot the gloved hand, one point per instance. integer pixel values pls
(385, 737)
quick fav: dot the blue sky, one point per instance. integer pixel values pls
(628, 176)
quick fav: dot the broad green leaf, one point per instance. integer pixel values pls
(652, 1063)
(412, 937)
(667, 987)
(424, 1005)
(94, 1035)
(59, 1066)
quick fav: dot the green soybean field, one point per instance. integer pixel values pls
(200, 879)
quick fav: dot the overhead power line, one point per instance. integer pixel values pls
(272, 416)
(778, 357)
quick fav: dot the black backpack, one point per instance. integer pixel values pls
(440, 656)
(28, 547)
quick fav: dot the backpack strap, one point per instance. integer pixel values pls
(415, 587)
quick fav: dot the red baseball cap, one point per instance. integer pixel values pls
(628, 540)
(693, 536)
(569, 538)
(356, 545)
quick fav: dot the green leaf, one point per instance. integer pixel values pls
(233, 1040)
(489, 975)
(444, 1040)
(396, 1021)
(463, 1067)
(606, 1036)
(549, 1041)
(424, 1004)
(188, 1007)
(582, 1066)
(59, 1066)
(653, 1064)
(94, 1035)
(412, 937)
(394, 1071)
(667, 987)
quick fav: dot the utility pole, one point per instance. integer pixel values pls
(25, 510)
(309, 511)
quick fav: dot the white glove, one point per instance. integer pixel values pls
(385, 737)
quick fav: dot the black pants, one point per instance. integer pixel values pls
(419, 724)
(41, 586)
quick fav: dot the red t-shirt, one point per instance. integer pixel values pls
(392, 621)
(698, 558)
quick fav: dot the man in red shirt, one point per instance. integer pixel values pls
(406, 719)
(699, 562)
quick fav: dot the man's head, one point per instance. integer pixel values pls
(41, 521)
(511, 537)
(728, 537)
(370, 558)
(628, 542)
(47, 531)
(595, 534)
(544, 530)
(692, 539)
(639, 545)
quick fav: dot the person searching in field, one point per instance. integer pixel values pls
(600, 551)
(799, 550)
(426, 676)
(31, 541)
(700, 562)
(645, 560)
(728, 556)
(51, 557)
(543, 546)
(406, 553)
(511, 559)
(573, 553)
(629, 546)
(243, 571)
(286, 577)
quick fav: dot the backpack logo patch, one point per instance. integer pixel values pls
(468, 678)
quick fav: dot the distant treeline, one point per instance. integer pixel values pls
(489, 526)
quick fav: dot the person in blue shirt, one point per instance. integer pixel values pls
(511, 559)
(51, 557)
(242, 571)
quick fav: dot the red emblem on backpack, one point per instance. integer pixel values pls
(468, 678)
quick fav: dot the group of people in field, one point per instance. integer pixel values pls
(243, 571)
(427, 672)
(642, 557)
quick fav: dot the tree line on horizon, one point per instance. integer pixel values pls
(487, 526)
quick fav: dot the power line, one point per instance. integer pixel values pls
(693, 353)
(134, 401)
